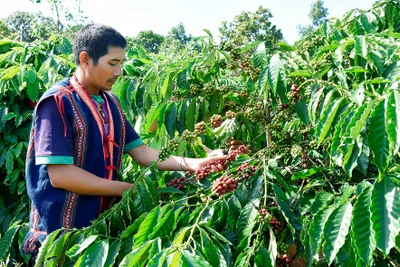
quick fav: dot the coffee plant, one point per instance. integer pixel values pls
(316, 182)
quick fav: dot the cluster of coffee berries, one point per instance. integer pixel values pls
(173, 144)
(216, 120)
(204, 198)
(189, 136)
(178, 183)
(282, 247)
(275, 224)
(194, 89)
(245, 171)
(164, 153)
(255, 114)
(304, 158)
(224, 184)
(200, 127)
(224, 88)
(206, 170)
(296, 92)
(209, 89)
(230, 114)
(203, 172)
(234, 153)
(264, 215)
(283, 260)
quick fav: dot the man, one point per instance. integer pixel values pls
(79, 134)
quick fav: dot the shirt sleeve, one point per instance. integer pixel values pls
(132, 139)
(53, 135)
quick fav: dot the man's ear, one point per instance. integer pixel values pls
(84, 59)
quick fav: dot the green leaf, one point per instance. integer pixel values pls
(45, 247)
(209, 250)
(6, 241)
(346, 256)
(10, 72)
(57, 248)
(289, 216)
(328, 115)
(392, 120)
(193, 260)
(276, 78)
(260, 56)
(317, 229)
(170, 119)
(302, 111)
(314, 103)
(285, 47)
(146, 227)
(378, 138)
(336, 230)
(300, 73)
(361, 46)
(385, 210)
(377, 59)
(191, 115)
(247, 219)
(361, 227)
(263, 257)
(164, 226)
(143, 199)
(138, 256)
(170, 190)
(95, 255)
(78, 248)
(112, 253)
(133, 227)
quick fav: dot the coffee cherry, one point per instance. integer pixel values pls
(178, 183)
(189, 136)
(283, 260)
(200, 127)
(275, 224)
(216, 120)
(224, 184)
(230, 114)
(245, 171)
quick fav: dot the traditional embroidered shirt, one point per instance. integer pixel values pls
(71, 127)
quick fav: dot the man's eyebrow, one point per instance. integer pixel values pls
(118, 60)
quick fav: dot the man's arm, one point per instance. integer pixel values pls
(77, 180)
(144, 155)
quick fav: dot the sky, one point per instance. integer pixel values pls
(131, 16)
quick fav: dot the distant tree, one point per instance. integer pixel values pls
(318, 15)
(4, 30)
(42, 27)
(149, 40)
(62, 13)
(176, 39)
(28, 27)
(249, 27)
(179, 33)
(19, 24)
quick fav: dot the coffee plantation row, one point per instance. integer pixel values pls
(316, 183)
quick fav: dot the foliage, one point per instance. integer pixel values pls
(149, 40)
(249, 27)
(318, 15)
(316, 185)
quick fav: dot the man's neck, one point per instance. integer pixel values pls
(80, 76)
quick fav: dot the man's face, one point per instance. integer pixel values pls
(103, 75)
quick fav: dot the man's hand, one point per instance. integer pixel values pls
(235, 144)
(212, 160)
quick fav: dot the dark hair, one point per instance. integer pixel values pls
(95, 40)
